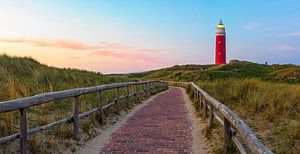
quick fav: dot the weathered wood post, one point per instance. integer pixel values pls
(154, 87)
(205, 108)
(159, 87)
(193, 92)
(101, 117)
(196, 95)
(117, 100)
(76, 118)
(144, 90)
(136, 94)
(128, 97)
(23, 131)
(211, 116)
(149, 89)
(201, 100)
(141, 90)
(227, 135)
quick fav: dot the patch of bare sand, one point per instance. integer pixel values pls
(200, 143)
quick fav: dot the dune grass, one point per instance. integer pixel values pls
(267, 97)
(240, 69)
(272, 110)
(23, 77)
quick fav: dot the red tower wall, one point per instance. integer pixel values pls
(220, 49)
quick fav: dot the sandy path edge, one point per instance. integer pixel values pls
(94, 145)
(200, 144)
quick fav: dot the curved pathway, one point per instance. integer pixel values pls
(165, 124)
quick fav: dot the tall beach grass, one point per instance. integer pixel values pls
(271, 109)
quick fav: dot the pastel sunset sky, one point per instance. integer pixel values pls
(118, 36)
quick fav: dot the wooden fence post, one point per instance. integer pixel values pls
(205, 109)
(23, 131)
(117, 100)
(201, 101)
(76, 118)
(141, 89)
(194, 92)
(151, 86)
(211, 116)
(197, 96)
(144, 90)
(227, 135)
(128, 98)
(136, 94)
(101, 117)
(147, 89)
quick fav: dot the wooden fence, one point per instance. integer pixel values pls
(234, 126)
(141, 88)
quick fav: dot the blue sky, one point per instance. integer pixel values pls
(138, 35)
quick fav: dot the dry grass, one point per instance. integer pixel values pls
(272, 110)
(22, 77)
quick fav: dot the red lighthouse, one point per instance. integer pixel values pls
(220, 44)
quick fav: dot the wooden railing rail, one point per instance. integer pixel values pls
(140, 88)
(233, 125)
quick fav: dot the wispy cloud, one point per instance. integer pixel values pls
(252, 25)
(296, 34)
(66, 44)
(290, 34)
(284, 47)
(103, 49)
(136, 57)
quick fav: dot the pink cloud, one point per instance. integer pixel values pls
(134, 57)
(66, 44)
(104, 49)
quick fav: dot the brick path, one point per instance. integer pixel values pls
(162, 126)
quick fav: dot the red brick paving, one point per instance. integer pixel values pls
(162, 126)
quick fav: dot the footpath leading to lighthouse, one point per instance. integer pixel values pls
(165, 123)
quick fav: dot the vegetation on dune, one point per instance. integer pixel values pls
(22, 77)
(272, 110)
(267, 97)
(235, 69)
